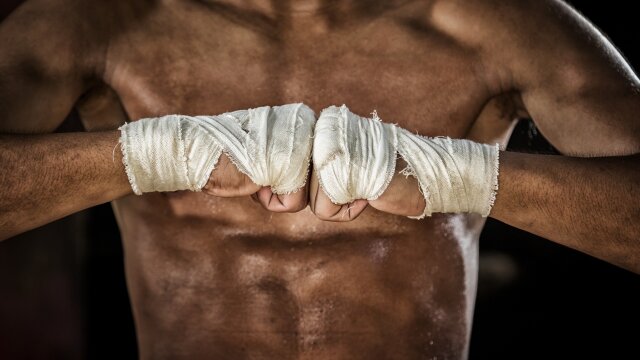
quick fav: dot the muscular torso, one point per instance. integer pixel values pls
(223, 278)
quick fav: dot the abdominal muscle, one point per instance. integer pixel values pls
(222, 278)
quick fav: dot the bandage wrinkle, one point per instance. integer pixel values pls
(179, 152)
(355, 158)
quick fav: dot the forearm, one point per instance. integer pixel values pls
(46, 177)
(589, 204)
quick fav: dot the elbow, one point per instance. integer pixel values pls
(7, 228)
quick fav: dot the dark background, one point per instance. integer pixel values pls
(63, 295)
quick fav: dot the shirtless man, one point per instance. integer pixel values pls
(221, 274)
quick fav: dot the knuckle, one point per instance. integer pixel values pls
(213, 185)
(353, 216)
(212, 192)
(322, 215)
(327, 216)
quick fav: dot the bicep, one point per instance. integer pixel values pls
(41, 71)
(574, 83)
(581, 93)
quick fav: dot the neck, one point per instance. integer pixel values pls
(276, 8)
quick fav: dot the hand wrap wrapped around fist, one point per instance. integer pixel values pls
(271, 145)
(354, 158)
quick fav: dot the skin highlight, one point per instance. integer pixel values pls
(214, 273)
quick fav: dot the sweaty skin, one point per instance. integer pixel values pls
(213, 277)
(218, 277)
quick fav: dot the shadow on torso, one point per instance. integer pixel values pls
(225, 278)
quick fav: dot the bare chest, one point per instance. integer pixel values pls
(196, 60)
(199, 258)
(206, 62)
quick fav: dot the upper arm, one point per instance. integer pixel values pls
(574, 83)
(47, 60)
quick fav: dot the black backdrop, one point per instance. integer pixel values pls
(63, 293)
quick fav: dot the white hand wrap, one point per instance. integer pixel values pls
(354, 158)
(271, 145)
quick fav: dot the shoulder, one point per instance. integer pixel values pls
(56, 38)
(51, 52)
(522, 41)
(472, 21)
